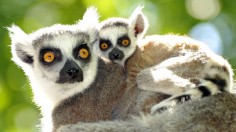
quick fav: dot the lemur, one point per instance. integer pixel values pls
(60, 66)
(170, 64)
(71, 83)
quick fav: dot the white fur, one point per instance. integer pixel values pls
(114, 32)
(47, 92)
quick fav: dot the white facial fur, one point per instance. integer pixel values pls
(112, 34)
(26, 52)
(112, 29)
(44, 78)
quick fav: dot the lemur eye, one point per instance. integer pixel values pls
(104, 46)
(83, 53)
(49, 57)
(125, 42)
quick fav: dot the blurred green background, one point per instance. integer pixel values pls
(212, 21)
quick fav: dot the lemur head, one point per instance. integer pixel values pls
(58, 60)
(119, 36)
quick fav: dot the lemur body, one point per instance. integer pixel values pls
(195, 115)
(95, 103)
(58, 61)
(169, 64)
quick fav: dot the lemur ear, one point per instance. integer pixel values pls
(139, 22)
(90, 21)
(21, 48)
(91, 16)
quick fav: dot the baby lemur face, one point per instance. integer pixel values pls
(116, 40)
(119, 36)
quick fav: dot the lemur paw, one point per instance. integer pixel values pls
(169, 103)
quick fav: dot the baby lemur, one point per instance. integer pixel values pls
(170, 64)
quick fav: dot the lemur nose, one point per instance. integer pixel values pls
(72, 72)
(116, 56)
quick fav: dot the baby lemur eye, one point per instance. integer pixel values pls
(124, 41)
(104, 44)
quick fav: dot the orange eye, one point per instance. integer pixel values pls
(83, 53)
(125, 42)
(49, 57)
(104, 46)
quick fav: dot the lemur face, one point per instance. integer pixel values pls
(62, 58)
(58, 59)
(116, 40)
(119, 36)
(59, 54)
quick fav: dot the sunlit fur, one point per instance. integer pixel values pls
(157, 50)
(113, 28)
(47, 92)
(184, 59)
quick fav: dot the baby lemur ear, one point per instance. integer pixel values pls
(139, 22)
(21, 48)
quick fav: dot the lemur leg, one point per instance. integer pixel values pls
(213, 76)
(204, 89)
(171, 76)
(162, 80)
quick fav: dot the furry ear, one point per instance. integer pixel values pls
(90, 18)
(89, 22)
(139, 22)
(22, 50)
(91, 15)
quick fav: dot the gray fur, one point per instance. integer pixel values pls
(96, 102)
(216, 113)
(72, 68)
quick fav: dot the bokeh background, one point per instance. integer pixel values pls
(211, 21)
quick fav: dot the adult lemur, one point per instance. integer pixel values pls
(70, 83)
(59, 63)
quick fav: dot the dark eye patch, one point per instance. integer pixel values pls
(104, 42)
(124, 41)
(56, 52)
(77, 49)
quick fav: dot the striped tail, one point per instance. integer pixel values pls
(217, 79)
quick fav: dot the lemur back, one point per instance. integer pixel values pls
(169, 64)
(186, 68)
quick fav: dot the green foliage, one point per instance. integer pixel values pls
(17, 112)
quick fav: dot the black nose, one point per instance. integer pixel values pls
(116, 56)
(72, 72)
